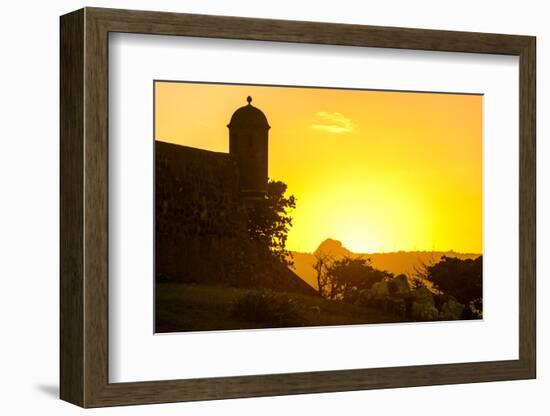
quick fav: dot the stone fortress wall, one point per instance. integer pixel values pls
(199, 214)
(201, 200)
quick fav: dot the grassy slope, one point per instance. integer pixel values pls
(184, 307)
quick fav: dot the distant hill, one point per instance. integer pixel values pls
(396, 262)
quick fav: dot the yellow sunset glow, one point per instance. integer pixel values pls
(379, 171)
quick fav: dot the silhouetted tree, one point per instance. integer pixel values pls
(350, 275)
(269, 222)
(321, 267)
(461, 279)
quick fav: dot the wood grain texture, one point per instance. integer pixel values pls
(71, 208)
(527, 208)
(84, 207)
(96, 216)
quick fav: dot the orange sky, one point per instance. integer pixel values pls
(379, 171)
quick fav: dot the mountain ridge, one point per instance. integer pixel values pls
(396, 262)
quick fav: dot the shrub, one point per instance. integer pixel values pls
(460, 278)
(267, 308)
(474, 309)
(348, 276)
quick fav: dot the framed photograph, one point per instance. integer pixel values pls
(254, 207)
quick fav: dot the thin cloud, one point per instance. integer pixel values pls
(333, 123)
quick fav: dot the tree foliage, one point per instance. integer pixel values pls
(321, 267)
(269, 221)
(344, 278)
(459, 278)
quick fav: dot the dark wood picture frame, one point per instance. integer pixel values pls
(84, 207)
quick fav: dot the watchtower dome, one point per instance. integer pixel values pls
(248, 145)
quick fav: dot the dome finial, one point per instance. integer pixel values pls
(249, 99)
